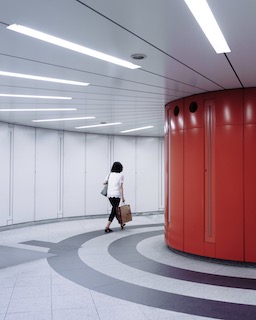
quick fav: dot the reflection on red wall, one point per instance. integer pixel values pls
(210, 207)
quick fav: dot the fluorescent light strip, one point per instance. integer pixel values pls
(64, 119)
(70, 45)
(99, 125)
(137, 129)
(31, 77)
(35, 110)
(205, 18)
(33, 96)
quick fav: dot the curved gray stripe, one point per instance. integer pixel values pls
(69, 265)
(124, 250)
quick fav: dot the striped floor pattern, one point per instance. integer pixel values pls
(127, 274)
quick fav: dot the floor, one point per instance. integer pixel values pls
(73, 270)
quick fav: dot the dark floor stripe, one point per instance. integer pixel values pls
(124, 250)
(69, 265)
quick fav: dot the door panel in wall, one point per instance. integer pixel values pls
(47, 144)
(147, 179)
(24, 174)
(97, 168)
(5, 163)
(74, 174)
(124, 151)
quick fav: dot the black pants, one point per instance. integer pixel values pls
(115, 203)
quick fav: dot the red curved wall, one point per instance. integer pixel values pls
(210, 164)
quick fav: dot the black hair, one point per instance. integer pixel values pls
(117, 167)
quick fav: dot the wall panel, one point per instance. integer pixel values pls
(5, 144)
(249, 190)
(124, 151)
(74, 174)
(161, 173)
(176, 177)
(229, 176)
(47, 166)
(229, 193)
(147, 164)
(176, 189)
(194, 190)
(194, 175)
(24, 174)
(250, 173)
(97, 167)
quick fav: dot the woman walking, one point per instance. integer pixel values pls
(115, 193)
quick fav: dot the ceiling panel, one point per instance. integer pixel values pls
(179, 59)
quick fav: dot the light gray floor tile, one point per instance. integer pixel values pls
(4, 305)
(160, 314)
(33, 305)
(116, 312)
(72, 302)
(68, 288)
(31, 292)
(25, 281)
(35, 269)
(29, 316)
(76, 314)
(101, 300)
(7, 283)
(6, 293)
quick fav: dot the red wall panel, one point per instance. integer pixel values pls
(249, 191)
(229, 192)
(229, 107)
(229, 175)
(175, 183)
(176, 191)
(250, 174)
(249, 106)
(194, 191)
(194, 177)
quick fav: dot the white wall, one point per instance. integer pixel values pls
(49, 174)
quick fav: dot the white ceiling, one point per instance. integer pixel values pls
(179, 59)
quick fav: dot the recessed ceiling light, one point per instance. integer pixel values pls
(70, 45)
(137, 129)
(37, 110)
(33, 96)
(32, 77)
(99, 125)
(205, 18)
(63, 119)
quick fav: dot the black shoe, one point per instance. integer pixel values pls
(122, 226)
(107, 230)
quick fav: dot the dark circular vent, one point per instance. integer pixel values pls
(176, 111)
(138, 56)
(193, 107)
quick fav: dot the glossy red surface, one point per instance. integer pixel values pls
(211, 175)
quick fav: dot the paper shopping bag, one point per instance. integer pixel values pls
(125, 212)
